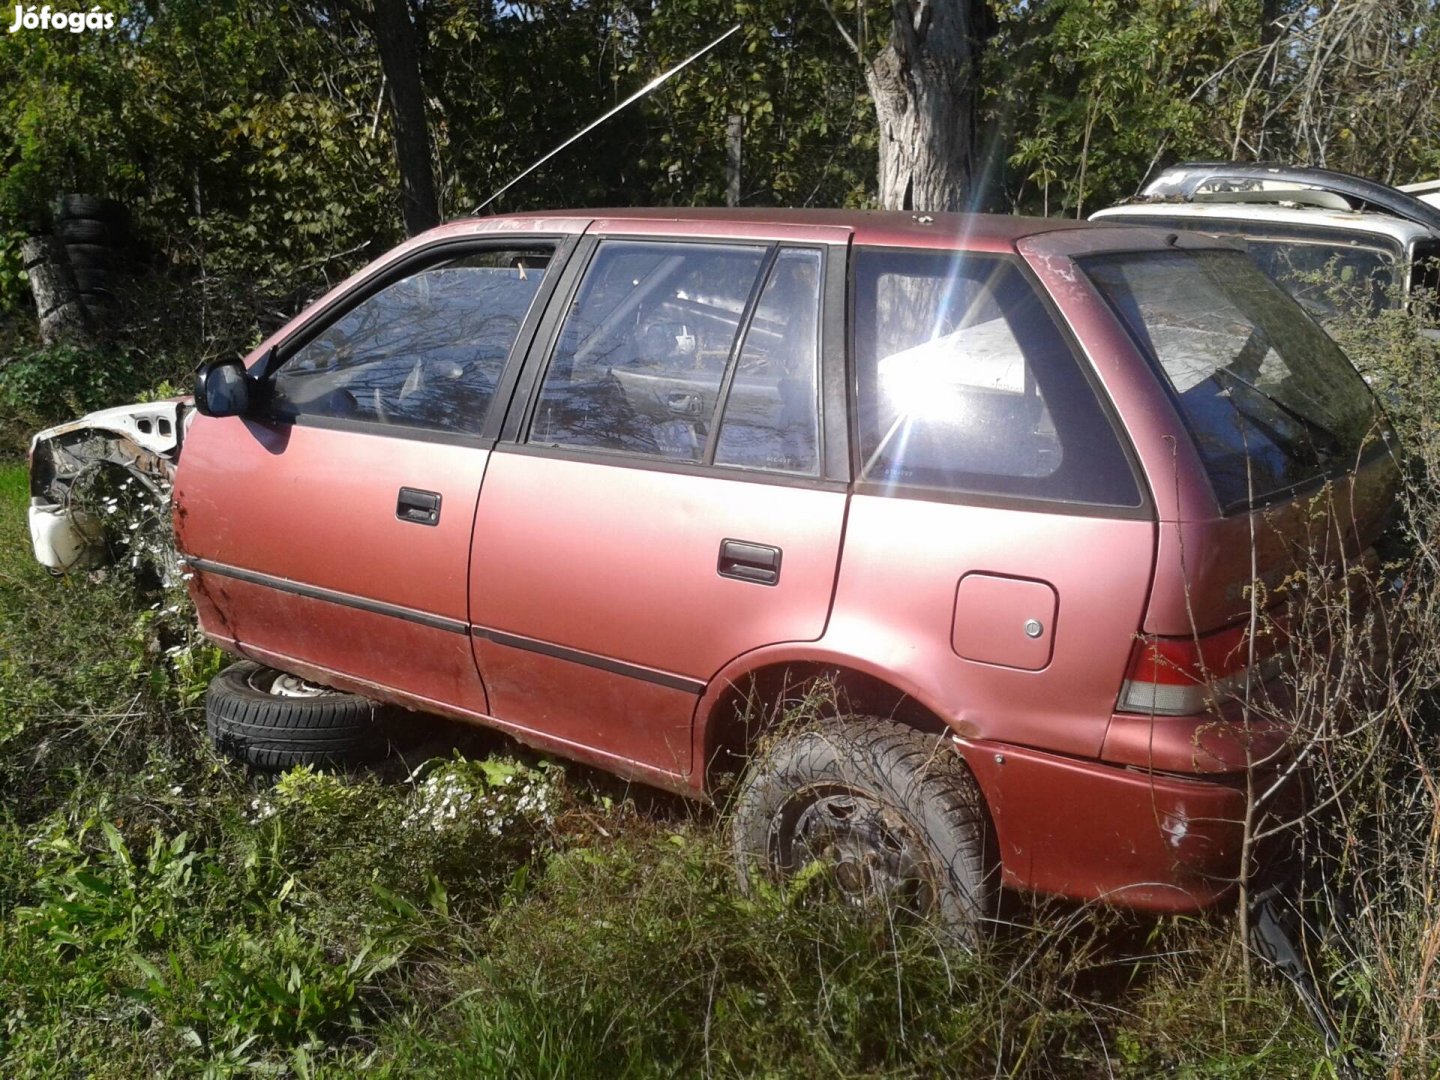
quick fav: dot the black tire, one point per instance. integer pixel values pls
(92, 206)
(92, 256)
(101, 306)
(249, 721)
(91, 281)
(894, 814)
(89, 231)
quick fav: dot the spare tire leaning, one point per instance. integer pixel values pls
(88, 280)
(92, 256)
(275, 721)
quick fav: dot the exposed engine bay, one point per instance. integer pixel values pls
(100, 488)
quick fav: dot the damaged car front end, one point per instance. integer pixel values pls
(100, 488)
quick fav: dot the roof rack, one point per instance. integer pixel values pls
(1185, 181)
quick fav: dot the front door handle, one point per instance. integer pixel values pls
(418, 507)
(744, 561)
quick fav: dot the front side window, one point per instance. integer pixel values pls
(964, 383)
(424, 352)
(1271, 402)
(698, 353)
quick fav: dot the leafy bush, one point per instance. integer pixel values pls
(45, 385)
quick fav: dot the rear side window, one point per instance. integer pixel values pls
(965, 383)
(424, 352)
(1271, 402)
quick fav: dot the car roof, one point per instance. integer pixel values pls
(1249, 214)
(950, 231)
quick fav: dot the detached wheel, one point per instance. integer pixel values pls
(275, 721)
(893, 816)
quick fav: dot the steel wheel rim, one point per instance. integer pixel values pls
(287, 686)
(872, 856)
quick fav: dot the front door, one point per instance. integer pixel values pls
(331, 530)
(662, 506)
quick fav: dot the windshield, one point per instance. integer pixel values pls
(1271, 402)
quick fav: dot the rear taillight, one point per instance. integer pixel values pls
(1185, 676)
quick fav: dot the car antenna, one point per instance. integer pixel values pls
(651, 85)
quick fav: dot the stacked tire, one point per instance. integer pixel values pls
(96, 234)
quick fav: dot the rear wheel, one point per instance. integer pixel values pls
(272, 720)
(892, 815)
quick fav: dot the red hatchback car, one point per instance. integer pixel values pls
(626, 484)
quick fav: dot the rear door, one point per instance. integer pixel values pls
(668, 496)
(329, 532)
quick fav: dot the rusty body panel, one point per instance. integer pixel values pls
(1140, 840)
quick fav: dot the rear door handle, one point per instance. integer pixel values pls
(418, 507)
(744, 561)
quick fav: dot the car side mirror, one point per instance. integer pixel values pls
(222, 389)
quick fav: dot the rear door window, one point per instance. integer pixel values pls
(965, 383)
(1271, 402)
(700, 353)
(771, 419)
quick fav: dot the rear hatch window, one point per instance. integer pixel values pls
(1272, 403)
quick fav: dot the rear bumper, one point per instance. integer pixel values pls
(1126, 836)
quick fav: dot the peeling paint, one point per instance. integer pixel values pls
(1176, 825)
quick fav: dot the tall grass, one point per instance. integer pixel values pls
(164, 912)
(1366, 675)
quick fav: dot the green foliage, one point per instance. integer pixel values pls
(45, 385)
(1089, 95)
(107, 923)
(807, 121)
(240, 134)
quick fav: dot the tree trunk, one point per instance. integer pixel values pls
(395, 37)
(63, 318)
(926, 88)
